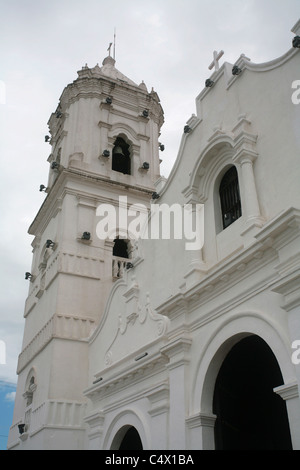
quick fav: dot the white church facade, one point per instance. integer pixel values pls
(167, 342)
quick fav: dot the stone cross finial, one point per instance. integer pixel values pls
(215, 62)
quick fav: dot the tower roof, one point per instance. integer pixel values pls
(108, 70)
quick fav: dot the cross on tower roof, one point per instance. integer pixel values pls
(109, 47)
(215, 62)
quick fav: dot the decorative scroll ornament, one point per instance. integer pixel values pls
(155, 324)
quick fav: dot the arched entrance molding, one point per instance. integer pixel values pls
(217, 347)
(120, 425)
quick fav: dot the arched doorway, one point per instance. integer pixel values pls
(127, 438)
(250, 416)
(131, 440)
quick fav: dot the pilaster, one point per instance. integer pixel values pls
(290, 393)
(201, 431)
(177, 352)
(245, 156)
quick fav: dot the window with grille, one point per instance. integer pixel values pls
(230, 197)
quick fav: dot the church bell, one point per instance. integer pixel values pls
(118, 151)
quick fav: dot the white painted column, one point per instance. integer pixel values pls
(95, 422)
(193, 231)
(289, 288)
(201, 431)
(178, 361)
(250, 205)
(289, 393)
(159, 409)
(245, 156)
(249, 189)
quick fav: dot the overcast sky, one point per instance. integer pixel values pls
(167, 43)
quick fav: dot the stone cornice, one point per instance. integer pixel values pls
(201, 419)
(281, 229)
(126, 373)
(95, 422)
(194, 121)
(289, 287)
(177, 351)
(79, 329)
(219, 279)
(99, 86)
(287, 391)
(158, 397)
(53, 201)
(237, 268)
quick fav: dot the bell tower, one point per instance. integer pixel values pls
(104, 144)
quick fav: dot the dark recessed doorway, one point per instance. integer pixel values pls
(131, 440)
(250, 415)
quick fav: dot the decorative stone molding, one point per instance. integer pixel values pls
(289, 288)
(56, 414)
(135, 314)
(223, 277)
(95, 422)
(132, 373)
(236, 146)
(287, 391)
(177, 351)
(75, 158)
(78, 265)
(66, 263)
(201, 419)
(73, 327)
(59, 326)
(65, 413)
(159, 399)
(296, 28)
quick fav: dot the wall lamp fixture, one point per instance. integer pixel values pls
(86, 236)
(296, 41)
(236, 70)
(49, 243)
(141, 356)
(209, 83)
(187, 129)
(97, 380)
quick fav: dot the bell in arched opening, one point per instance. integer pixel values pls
(121, 157)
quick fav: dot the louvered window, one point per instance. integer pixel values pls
(230, 197)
